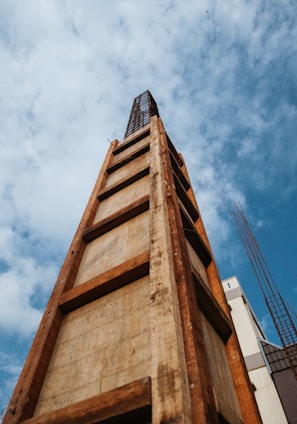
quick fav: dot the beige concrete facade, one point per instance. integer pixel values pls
(114, 248)
(100, 346)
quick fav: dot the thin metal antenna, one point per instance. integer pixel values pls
(278, 310)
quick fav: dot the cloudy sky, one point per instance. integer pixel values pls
(224, 75)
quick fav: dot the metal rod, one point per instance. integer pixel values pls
(276, 306)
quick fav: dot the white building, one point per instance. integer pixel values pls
(249, 334)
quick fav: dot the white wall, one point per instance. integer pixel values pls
(248, 332)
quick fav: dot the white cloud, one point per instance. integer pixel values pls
(268, 327)
(24, 284)
(71, 71)
(10, 368)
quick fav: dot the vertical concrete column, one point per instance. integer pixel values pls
(170, 391)
(203, 408)
(246, 397)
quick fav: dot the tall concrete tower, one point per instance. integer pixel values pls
(137, 329)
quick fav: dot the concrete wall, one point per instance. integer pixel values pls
(115, 247)
(102, 345)
(222, 381)
(122, 198)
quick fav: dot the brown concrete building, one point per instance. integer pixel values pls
(137, 329)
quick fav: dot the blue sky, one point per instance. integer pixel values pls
(224, 77)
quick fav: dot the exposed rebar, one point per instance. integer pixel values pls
(277, 308)
(144, 107)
